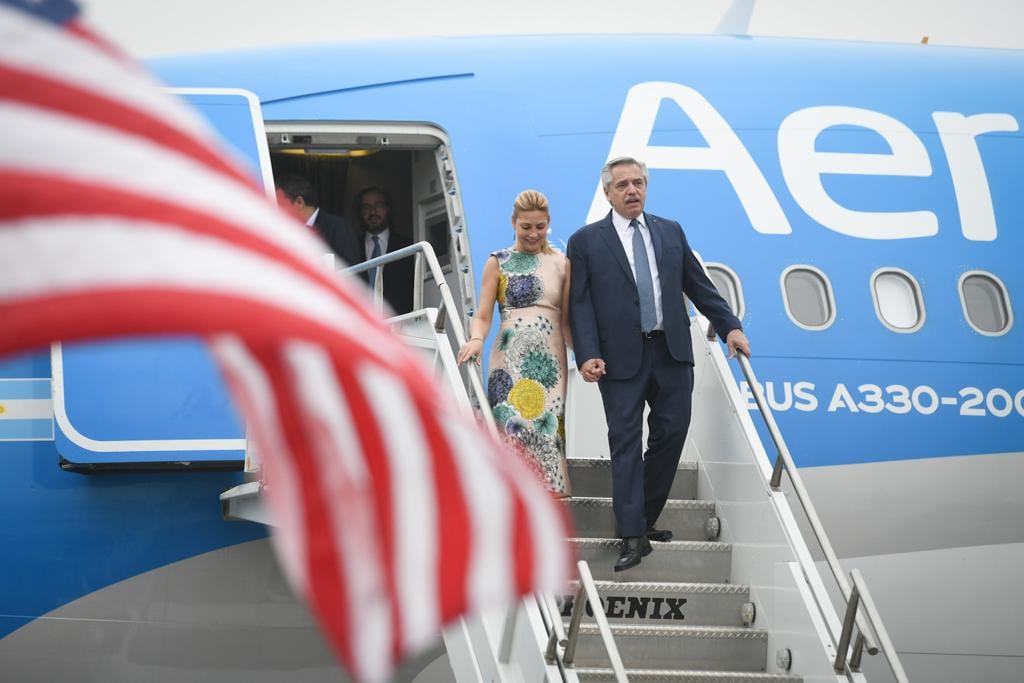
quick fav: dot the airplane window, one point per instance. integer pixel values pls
(985, 303)
(898, 300)
(728, 285)
(808, 297)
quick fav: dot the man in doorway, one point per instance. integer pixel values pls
(297, 192)
(630, 327)
(373, 206)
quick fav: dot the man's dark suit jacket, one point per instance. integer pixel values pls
(604, 307)
(340, 236)
(398, 276)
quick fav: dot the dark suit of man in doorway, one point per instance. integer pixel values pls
(373, 206)
(630, 327)
(341, 237)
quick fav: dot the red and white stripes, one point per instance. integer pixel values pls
(117, 217)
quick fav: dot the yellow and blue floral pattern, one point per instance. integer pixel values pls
(526, 384)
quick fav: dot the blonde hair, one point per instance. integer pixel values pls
(532, 200)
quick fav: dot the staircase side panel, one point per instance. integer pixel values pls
(734, 471)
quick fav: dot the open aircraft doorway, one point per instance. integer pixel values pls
(411, 162)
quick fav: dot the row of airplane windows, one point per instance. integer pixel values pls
(810, 304)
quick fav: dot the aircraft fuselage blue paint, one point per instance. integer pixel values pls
(843, 158)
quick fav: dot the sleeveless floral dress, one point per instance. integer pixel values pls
(526, 383)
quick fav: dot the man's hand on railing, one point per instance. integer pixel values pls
(737, 341)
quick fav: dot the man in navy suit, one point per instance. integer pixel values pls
(629, 272)
(373, 206)
(297, 192)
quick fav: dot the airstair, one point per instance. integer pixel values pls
(736, 595)
(680, 607)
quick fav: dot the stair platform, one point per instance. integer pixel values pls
(594, 517)
(688, 561)
(690, 647)
(592, 675)
(593, 477)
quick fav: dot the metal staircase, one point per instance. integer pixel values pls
(735, 596)
(677, 616)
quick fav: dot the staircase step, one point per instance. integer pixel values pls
(695, 561)
(588, 675)
(665, 603)
(593, 477)
(679, 647)
(594, 518)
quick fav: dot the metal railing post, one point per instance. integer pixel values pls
(849, 618)
(614, 658)
(575, 617)
(508, 632)
(777, 468)
(587, 589)
(417, 279)
(557, 637)
(857, 652)
(876, 620)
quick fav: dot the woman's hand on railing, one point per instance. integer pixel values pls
(471, 350)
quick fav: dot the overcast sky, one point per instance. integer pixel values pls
(148, 28)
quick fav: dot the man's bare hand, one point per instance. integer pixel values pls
(737, 341)
(592, 370)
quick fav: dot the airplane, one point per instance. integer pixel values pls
(855, 203)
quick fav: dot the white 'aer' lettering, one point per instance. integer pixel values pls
(803, 166)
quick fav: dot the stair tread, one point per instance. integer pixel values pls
(733, 632)
(605, 462)
(713, 641)
(671, 586)
(716, 546)
(694, 676)
(670, 504)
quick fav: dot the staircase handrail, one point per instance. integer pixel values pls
(861, 594)
(423, 251)
(588, 589)
(784, 461)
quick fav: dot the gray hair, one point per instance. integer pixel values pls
(606, 170)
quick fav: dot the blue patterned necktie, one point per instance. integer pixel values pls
(374, 254)
(644, 281)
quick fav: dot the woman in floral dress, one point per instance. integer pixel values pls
(526, 384)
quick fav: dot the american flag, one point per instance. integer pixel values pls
(396, 514)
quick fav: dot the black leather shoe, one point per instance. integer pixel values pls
(659, 535)
(634, 548)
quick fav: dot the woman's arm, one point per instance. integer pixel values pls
(566, 329)
(481, 323)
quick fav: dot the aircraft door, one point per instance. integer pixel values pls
(158, 403)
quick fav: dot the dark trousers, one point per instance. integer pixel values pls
(641, 481)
